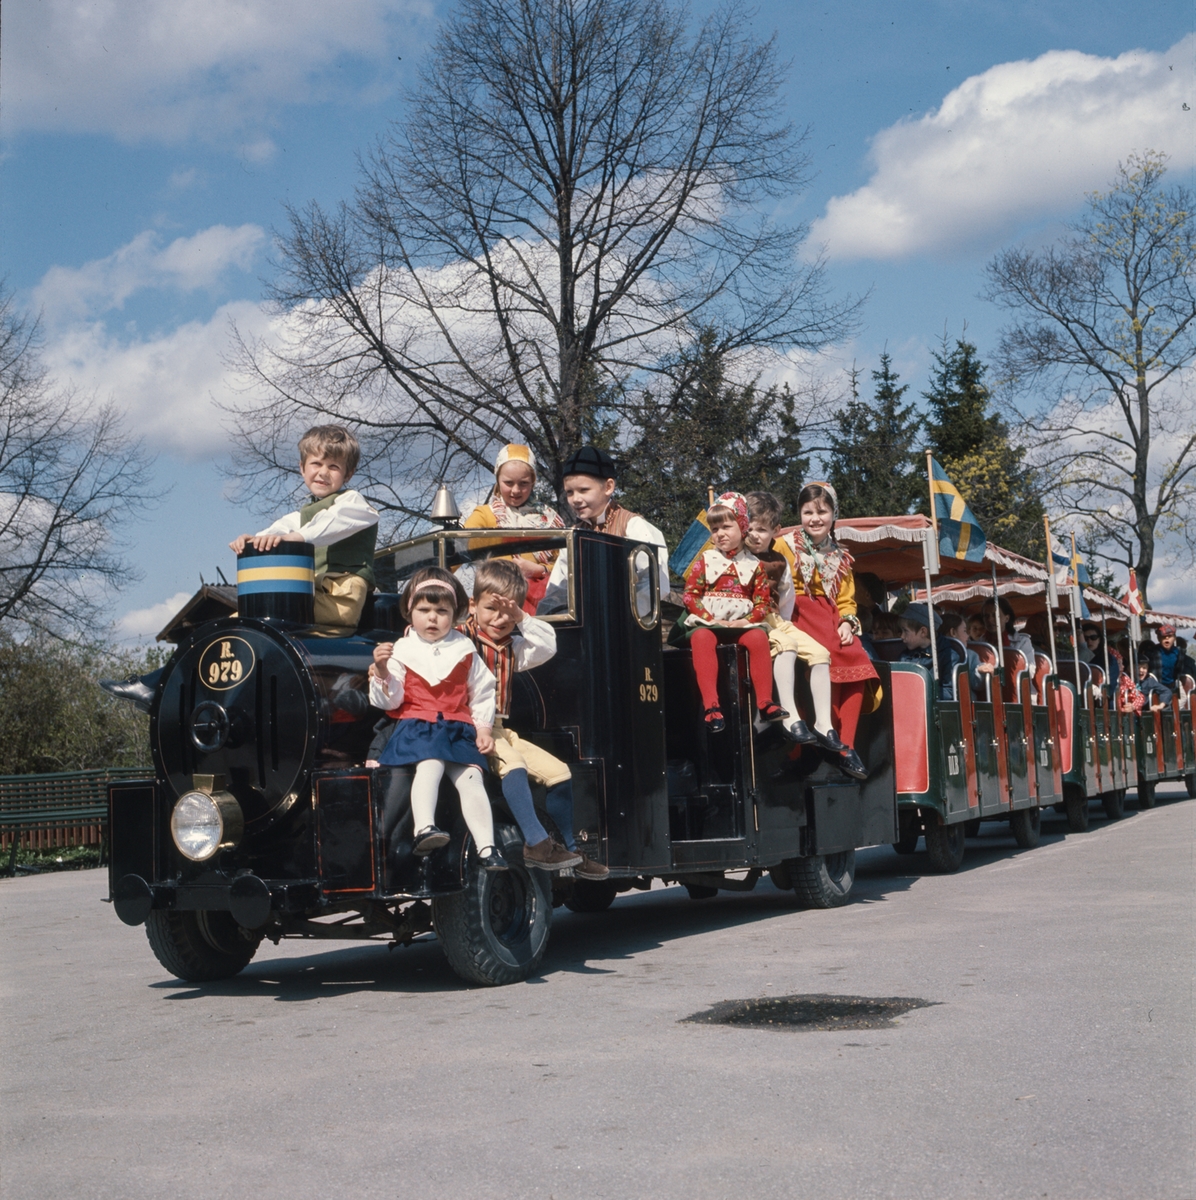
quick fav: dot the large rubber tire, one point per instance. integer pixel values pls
(1190, 784)
(823, 880)
(907, 843)
(1146, 793)
(1077, 810)
(699, 891)
(1114, 804)
(1026, 825)
(945, 845)
(591, 895)
(496, 930)
(200, 947)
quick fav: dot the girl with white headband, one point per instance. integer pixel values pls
(441, 694)
(510, 507)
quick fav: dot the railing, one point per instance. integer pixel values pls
(67, 808)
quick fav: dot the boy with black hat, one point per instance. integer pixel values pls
(589, 482)
(915, 633)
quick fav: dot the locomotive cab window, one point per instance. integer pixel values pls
(644, 587)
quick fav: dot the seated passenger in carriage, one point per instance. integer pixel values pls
(1011, 638)
(1168, 662)
(338, 522)
(786, 642)
(727, 599)
(589, 483)
(1154, 693)
(826, 609)
(954, 626)
(915, 634)
(1095, 643)
(510, 507)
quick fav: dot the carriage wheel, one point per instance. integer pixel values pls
(945, 844)
(200, 947)
(1114, 804)
(823, 880)
(1026, 825)
(1146, 792)
(591, 895)
(1077, 809)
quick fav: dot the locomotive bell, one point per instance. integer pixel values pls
(445, 512)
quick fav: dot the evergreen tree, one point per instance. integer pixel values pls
(708, 432)
(871, 463)
(972, 445)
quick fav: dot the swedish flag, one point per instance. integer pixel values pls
(695, 542)
(960, 536)
(1075, 567)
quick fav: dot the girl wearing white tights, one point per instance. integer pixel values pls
(441, 695)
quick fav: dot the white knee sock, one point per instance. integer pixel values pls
(425, 787)
(475, 804)
(820, 689)
(784, 668)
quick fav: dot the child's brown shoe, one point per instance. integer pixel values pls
(589, 869)
(550, 855)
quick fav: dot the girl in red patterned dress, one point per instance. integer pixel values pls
(727, 598)
(826, 610)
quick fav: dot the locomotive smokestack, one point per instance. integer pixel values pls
(445, 512)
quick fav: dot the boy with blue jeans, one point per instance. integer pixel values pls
(510, 640)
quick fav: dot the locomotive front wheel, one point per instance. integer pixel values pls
(496, 930)
(823, 880)
(591, 895)
(1077, 810)
(1190, 784)
(1114, 804)
(1146, 791)
(200, 947)
(945, 845)
(1026, 826)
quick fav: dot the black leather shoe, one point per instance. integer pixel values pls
(138, 690)
(491, 859)
(714, 720)
(853, 765)
(428, 839)
(832, 741)
(800, 733)
(772, 712)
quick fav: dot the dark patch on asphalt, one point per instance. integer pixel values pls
(817, 1012)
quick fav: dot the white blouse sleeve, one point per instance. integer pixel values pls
(288, 523)
(481, 693)
(639, 530)
(788, 596)
(387, 694)
(535, 643)
(347, 514)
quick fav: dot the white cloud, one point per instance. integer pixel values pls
(186, 264)
(146, 622)
(1018, 142)
(166, 69)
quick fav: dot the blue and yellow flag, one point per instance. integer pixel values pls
(696, 541)
(960, 536)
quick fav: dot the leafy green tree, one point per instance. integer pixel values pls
(973, 445)
(709, 432)
(54, 715)
(871, 463)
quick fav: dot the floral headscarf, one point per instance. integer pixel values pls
(736, 504)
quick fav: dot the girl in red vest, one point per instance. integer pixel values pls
(441, 695)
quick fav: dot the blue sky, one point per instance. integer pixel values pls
(148, 148)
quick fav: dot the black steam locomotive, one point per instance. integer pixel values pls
(262, 820)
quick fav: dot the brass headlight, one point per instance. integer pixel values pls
(206, 820)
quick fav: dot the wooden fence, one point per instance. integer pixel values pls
(68, 808)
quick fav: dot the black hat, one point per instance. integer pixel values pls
(919, 614)
(590, 460)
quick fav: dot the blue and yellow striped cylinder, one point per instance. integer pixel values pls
(278, 584)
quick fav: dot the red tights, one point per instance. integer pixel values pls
(848, 700)
(755, 641)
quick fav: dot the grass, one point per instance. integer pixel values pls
(60, 858)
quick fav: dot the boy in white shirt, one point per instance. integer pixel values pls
(338, 521)
(589, 482)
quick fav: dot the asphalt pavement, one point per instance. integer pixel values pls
(1052, 1060)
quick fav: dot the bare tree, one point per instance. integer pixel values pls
(580, 186)
(1106, 319)
(68, 478)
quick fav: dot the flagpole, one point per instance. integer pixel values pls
(1052, 595)
(1104, 637)
(997, 621)
(931, 553)
(1075, 595)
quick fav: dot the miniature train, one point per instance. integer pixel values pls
(262, 821)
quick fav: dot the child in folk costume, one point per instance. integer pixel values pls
(727, 598)
(786, 642)
(826, 610)
(441, 695)
(509, 508)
